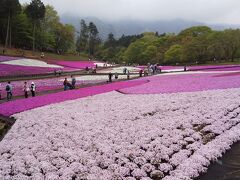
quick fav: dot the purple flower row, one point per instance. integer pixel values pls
(184, 83)
(215, 68)
(10, 70)
(75, 64)
(7, 58)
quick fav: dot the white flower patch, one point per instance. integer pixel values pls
(100, 77)
(30, 62)
(120, 69)
(116, 136)
(99, 64)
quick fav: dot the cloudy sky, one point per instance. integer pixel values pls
(207, 11)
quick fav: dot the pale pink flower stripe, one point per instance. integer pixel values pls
(75, 64)
(184, 83)
(130, 137)
(13, 107)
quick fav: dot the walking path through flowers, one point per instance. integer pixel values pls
(10, 108)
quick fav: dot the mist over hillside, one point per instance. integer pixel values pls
(132, 27)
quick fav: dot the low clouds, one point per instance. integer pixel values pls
(207, 11)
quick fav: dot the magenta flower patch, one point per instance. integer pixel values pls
(76, 64)
(184, 83)
(14, 70)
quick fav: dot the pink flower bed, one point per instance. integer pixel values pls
(6, 58)
(215, 68)
(75, 64)
(229, 74)
(14, 70)
(184, 83)
(13, 107)
(114, 136)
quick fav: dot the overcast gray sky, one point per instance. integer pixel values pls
(207, 11)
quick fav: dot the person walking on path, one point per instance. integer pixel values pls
(25, 89)
(124, 70)
(33, 89)
(116, 75)
(110, 77)
(140, 73)
(73, 81)
(128, 74)
(9, 89)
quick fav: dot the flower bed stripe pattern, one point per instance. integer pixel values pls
(114, 136)
(13, 107)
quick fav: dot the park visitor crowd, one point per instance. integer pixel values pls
(68, 85)
(31, 89)
(26, 89)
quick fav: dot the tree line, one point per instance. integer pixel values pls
(34, 26)
(198, 44)
(37, 26)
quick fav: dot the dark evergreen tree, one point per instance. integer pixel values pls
(8, 9)
(111, 41)
(93, 38)
(82, 39)
(35, 11)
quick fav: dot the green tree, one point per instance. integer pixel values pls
(36, 12)
(134, 53)
(231, 43)
(94, 39)
(9, 9)
(111, 41)
(82, 39)
(195, 31)
(49, 25)
(149, 55)
(64, 35)
(216, 49)
(173, 55)
(22, 31)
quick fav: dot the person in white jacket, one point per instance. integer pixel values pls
(33, 89)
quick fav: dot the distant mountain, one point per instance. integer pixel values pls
(132, 27)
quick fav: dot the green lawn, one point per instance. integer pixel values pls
(36, 55)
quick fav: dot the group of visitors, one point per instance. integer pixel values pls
(26, 89)
(31, 88)
(127, 72)
(92, 70)
(153, 69)
(58, 72)
(69, 85)
(110, 75)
